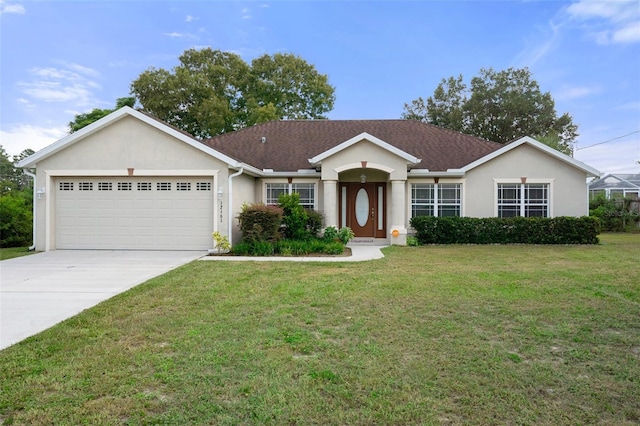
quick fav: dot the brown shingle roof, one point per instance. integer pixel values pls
(289, 145)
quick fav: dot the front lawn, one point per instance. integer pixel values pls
(427, 335)
(11, 252)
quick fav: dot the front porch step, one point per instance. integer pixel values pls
(364, 241)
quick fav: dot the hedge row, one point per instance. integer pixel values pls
(515, 230)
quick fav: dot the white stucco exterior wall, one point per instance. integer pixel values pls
(568, 185)
(244, 191)
(110, 151)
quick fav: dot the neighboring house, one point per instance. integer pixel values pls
(616, 185)
(129, 181)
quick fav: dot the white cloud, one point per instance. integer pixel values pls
(613, 10)
(246, 13)
(25, 136)
(178, 35)
(630, 105)
(568, 93)
(616, 156)
(608, 22)
(51, 84)
(628, 34)
(11, 8)
(536, 49)
(190, 18)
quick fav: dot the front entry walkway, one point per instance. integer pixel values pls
(359, 253)
(41, 290)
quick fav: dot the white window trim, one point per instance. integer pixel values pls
(548, 182)
(314, 182)
(409, 196)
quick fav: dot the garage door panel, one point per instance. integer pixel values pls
(131, 213)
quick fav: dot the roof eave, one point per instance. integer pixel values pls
(454, 173)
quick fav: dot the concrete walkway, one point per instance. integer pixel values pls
(41, 290)
(358, 254)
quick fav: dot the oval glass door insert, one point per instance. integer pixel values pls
(362, 207)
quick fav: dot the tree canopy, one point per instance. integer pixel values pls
(83, 120)
(212, 92)
(499, 105)
(16, 194)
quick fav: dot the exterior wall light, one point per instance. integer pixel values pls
(40, 193)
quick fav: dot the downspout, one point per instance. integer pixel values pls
(230, 203)
(31, 175)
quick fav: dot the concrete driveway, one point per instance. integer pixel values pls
(39, 291)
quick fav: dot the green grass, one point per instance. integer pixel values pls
(427, 335)
(11, 252)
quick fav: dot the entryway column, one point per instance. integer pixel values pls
(398, 230)
(331, 202)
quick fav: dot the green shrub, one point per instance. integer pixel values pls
(314, 222)
(259, 222)
(242, 248)
(345, 235)
(294, 216)
(307, 247)
(16, 220)
(333, 247)
(515, 230)
(262, 248)
(614, 214)
(330, 233)
(412, 242)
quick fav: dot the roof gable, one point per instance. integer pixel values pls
(364, 136)
(590, 171)
(115, 116)
(616, 181)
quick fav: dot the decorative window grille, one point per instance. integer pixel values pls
(523, 199)
(85, 186)
(306, 191)
(144, 186)
(183, 186)
(436, 199)
(66, 186)
(203, 186)
(163, 186)
(105, 186)
(124, 186)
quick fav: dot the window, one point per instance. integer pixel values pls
(144, 186)
(66, 186)
(436, 199)
(274, 190)
(163, 186)
(523, 199)
(85, 186)
(306, 190)
(124, 186)
(203, 186)
(104, 186)
(183, 186)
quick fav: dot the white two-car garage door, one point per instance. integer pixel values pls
(140, 213)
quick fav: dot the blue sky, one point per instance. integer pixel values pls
(60, 58)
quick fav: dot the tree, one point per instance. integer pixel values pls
(16, 195)
(212, 92)
(500, 106)
(83, 120)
